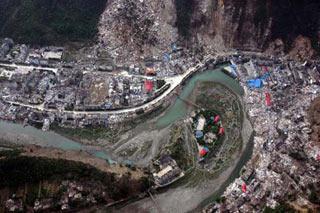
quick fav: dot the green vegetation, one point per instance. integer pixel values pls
(9, 153)
(18, 171)
(50, 22)
(179, 154)
(177, 148)
(86, 133)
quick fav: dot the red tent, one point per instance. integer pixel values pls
(203, 152)
(148, 85)
(216, 119)
(268, 99)
(265, 69)
(221, 131)
(244, 188)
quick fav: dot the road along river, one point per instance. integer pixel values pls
(178, 199)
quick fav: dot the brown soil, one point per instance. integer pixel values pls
(302, 49)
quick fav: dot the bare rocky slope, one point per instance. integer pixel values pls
(150, 26)
(130, 29)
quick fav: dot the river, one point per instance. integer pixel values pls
(19, 135)
(190, 197)
(178, 110)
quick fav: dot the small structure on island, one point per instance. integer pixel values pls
(169, 171)
(208, 131)
(201, 123)
(210, 137)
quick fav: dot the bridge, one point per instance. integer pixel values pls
(188, 102)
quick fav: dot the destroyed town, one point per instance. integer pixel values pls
(160, 106)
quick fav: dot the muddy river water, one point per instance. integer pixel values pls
(178, 110)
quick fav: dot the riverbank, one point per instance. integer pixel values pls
(199, 187)
(82, 157)
(32, 183)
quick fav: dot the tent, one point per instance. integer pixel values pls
(216, 119)
(265, 69)
(255, 83)
(244, 188)
(203, 151)
(268, 99)
(199, 134)
(221, 131)
(148, 85)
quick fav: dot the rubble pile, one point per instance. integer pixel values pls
(314, 116)
(285, 163)
(131, 30)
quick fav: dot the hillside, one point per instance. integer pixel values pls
(131, 29)
(52, 185)
(50, 22)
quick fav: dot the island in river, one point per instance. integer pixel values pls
(142, 141)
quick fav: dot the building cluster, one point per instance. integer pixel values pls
(22, 54)
(168, 173)
(50, 92)
(72, 194)
(67, 91)
(173, 62)
(43, 88)
(278, 93)
(284, 166)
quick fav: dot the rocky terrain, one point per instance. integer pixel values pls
(135, 30)
(150, 27)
